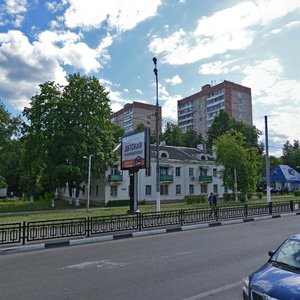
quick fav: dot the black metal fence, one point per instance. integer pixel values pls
(26, 232)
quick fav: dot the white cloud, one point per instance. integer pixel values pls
(27, 66)
(174, 80)
(16, 10)
(119, 15)
(228, 29)
(139, 91)
(219, 67)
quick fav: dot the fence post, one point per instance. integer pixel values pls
(181, 216)
(291, 205)
(246, 210)
(139, 221)
(24, 233)
(270, 208)
(87, 227)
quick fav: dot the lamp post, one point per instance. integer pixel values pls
(89, 182)
(157, 140)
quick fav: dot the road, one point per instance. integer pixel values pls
(200, 264)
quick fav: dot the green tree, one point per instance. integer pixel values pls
(9, 149)
(291, 154)
(72, 122)
(240, 163)
(191, 138)
(173, 135)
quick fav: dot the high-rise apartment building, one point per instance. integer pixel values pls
(199, 110)
(135, 113)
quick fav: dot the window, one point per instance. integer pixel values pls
(203, 189)
(148, 190)
(113, 191)
(164, 189)
(203, 172)
(177, 171)
(191, 189)
(215, 172)
(191, 171)
(148, 171)
(178, 189)
(215, 189)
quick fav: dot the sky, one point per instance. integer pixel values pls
(196, 42)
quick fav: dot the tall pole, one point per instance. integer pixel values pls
(89, 184)
(157, 140)
(267, 162)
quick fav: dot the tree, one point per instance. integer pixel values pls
(291, 154)
(191, 138)
(9, 149)
(71, 122)
(222, 123)
(172, 135)
(240, 163)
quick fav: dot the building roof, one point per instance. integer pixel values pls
(181, 153)
(284, 173)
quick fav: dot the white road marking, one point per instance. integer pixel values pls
(214, 291)
(96, 264)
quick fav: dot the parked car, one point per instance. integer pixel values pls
(279, 278)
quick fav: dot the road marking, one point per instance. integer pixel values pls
(214, 291)
(96, 264)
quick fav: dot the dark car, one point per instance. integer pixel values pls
(279, 278)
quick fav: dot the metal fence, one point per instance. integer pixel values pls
(27, 232)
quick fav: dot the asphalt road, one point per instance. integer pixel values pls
(200, 264)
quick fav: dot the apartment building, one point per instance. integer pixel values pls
(183, 171)
(199, 110)
(135, 113)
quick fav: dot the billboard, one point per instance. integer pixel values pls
(135, 153)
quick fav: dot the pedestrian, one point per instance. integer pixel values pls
(212, 200)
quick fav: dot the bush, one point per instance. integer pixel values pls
(242, 198)
(228, 197)
(115, 203)
(297, 193)
(189, 199)
(285, 190)
(259, 195)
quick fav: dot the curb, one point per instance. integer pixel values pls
(98, 239)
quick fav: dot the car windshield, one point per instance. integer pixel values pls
(288, 255)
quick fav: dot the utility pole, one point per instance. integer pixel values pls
(157, 139)
(267, 162)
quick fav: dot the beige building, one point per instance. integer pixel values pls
(135, 113)
(199, 110)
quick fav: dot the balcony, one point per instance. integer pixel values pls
(166, 178)
(205, 179)
(114, 178)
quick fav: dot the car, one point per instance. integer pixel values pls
(279, 278)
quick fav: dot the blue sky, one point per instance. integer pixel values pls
(254, 43)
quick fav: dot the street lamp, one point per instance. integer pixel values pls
(157, 139)
(89, 182)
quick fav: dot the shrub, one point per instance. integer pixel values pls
(115, 203)
(297, 193)
(189, 199)
(259, 195)
(285, 190)
(228, 197)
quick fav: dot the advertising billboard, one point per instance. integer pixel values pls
(136, 150)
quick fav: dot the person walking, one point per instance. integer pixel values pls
(212, 200)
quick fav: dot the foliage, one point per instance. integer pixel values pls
(297, 193)
(239, 162)
(191, 138)
(66, 124)
(291, 154)
(228, 197)
(115, 203)
(3, 183)
(223, 123)
(173, 135)
(195, 198)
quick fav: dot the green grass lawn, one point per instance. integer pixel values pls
(21, 210)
